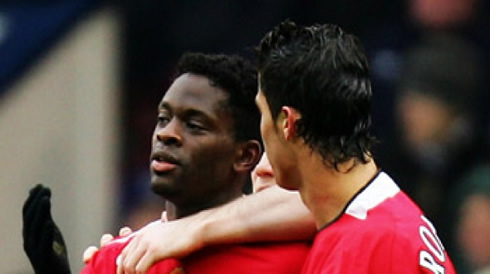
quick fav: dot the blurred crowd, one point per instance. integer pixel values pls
(429, 73)
(429, 62)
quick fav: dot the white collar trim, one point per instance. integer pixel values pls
(382, 188)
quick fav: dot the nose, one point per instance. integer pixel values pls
(170, 134)
(262, 175)
(264, 172)
(263, 169)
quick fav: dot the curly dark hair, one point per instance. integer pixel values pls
(322, 72)
(238, 78)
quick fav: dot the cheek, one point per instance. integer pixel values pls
(265, 131)
(216, 153)
(154, 137)
(262, 127)
(209, 166)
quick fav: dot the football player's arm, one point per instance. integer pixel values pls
(272, 214)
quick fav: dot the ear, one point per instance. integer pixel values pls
(289, 118)
(248, 156)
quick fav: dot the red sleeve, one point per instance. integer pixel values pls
(104, 260)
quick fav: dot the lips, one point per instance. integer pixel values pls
(163, 162)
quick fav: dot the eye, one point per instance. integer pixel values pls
(195, 126)
(163, 119)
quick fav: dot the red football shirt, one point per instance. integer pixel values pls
(380, 231)
(285, 257)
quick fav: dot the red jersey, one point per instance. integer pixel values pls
(380, 231)
(285, 257)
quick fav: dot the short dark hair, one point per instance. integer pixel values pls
(322, 72)
(238, 78)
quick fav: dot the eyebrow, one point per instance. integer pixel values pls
(187, 113)
(164, 105)
(195, 113)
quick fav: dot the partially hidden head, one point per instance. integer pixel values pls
(437, 95)
(322, 73)
(206, 140)
(263, 175)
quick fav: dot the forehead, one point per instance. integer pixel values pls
(194, 91)
(261, 101)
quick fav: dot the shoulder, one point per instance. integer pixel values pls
(105, 260)
(382, 230)
(370, 246)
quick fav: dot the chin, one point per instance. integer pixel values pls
(287, 186)
(286, 181)
(161, 187)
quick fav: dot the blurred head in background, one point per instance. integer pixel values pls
(474, 219)
(442, 14)
(438, 89)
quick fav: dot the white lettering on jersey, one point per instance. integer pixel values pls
(431, 226)
(435, 248)
(427, 261)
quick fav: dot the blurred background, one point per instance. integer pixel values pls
(80, 81)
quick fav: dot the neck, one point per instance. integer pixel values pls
(326, 191)
(180, 210)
